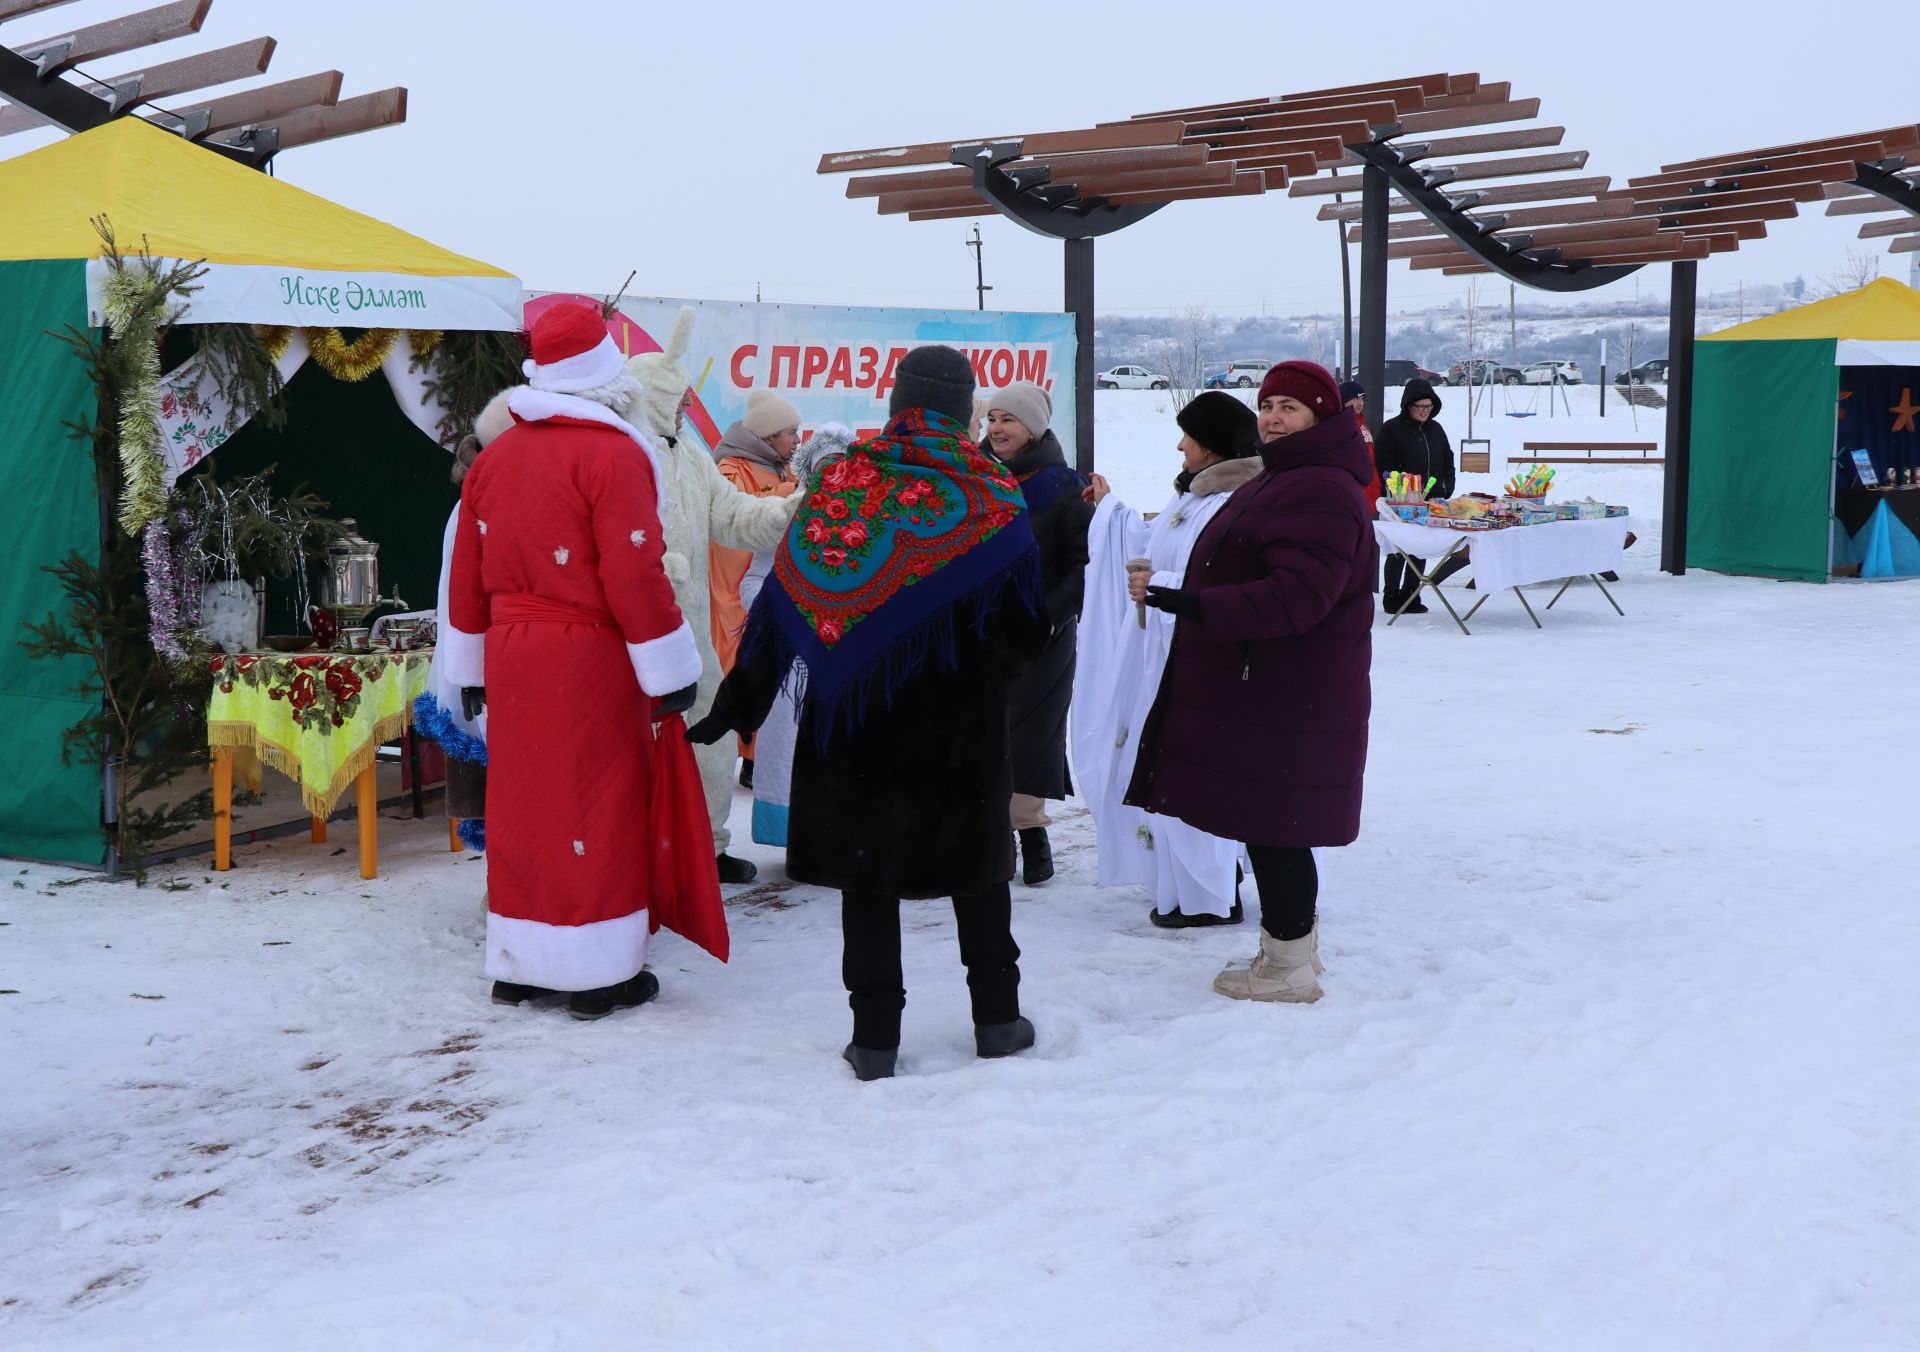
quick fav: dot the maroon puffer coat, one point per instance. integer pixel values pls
(1259, 732)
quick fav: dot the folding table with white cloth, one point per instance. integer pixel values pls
(1559, 551)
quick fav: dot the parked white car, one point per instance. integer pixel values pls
(1130, 378)
(1551, 373)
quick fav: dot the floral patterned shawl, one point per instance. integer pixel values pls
(889, 541)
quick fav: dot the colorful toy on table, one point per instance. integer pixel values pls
(1533, 484)
(1405, 495)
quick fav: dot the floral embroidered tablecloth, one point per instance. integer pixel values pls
(317, 718)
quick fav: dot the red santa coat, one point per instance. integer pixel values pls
(560, 607)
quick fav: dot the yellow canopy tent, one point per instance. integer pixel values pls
(1770, 419)
(275, 254)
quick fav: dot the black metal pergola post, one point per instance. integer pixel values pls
(1373, 291)
(1674, 485)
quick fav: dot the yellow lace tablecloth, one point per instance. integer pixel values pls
(317, 718)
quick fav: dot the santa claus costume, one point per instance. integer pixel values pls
(560, 607)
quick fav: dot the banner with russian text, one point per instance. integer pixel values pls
(836, 363)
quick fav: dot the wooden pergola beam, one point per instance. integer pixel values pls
(13, 9)
(1469, 115)
(1809, 179)
(1362, 117)
(1118, 136)
(222, 65)
(116, 36)
(264, 104)
(1891, 136)
(1149, 157)
(1164, 182)
(1245, 184)
(363, 112)
(1481, 143)
(1898, 225)
(1465, 170)
(1850, 153)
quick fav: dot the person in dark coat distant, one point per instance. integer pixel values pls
(1017, 434)
(1413, 443)
(1259, 732)
(909, 586)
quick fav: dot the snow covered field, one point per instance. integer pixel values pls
(1617, 1053)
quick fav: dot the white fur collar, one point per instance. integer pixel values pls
(531, 405)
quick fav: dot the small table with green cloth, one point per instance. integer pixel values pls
(316, 717)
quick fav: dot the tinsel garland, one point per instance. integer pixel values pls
(422, 342)
(353, 361)
(136, 325)
(168, 620)
(275, 338)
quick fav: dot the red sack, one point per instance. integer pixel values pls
(685, 892)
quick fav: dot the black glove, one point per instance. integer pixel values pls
(1182, 604)
(473, 699)
(678, 702)
(708, 730)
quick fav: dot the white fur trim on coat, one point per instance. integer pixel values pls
(465, 655)
(566, 957)
(582, 371)
(533, 405)
(668, 663)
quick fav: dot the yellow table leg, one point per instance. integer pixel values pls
(222, 808)
(453, 834)
(367, 796)
(319, 830)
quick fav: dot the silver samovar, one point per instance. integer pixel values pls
(350, 583)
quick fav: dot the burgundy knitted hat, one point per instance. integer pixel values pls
(1309, 382)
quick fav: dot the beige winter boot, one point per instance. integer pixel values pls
(1284, 971)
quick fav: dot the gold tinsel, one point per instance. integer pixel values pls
(350, 361)
(423, 341)
(275, 337)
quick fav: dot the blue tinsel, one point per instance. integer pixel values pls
(435, 722)
(473, 833)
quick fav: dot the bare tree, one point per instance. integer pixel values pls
(1862, 266)
(1185, 352)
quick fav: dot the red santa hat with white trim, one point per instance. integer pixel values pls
(572, 350)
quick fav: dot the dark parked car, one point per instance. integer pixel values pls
(1399, 372)
(1479, 371)
(1646, 373)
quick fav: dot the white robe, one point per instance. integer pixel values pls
(1114, 685)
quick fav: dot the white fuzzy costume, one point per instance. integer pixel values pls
(702, 506)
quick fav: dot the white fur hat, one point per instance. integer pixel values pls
(663, 377)
(493, 420)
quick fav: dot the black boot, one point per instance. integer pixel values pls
(746, 773)
(1181, 920)
(512, 993)
(597, 1004)
(1002, 1039)
(735, 870)
(1036, 856)
(871, 1063)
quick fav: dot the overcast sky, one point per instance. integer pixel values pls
(573, 140)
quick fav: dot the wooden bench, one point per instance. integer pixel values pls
(1590, 453)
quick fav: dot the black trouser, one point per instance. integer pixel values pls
(870, 961)
(1401, 580)
(1289, 888)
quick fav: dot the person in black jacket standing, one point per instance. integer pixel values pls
(1018, 436)
(1413, 443)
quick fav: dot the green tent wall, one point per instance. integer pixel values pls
(1761, 488)
(49, 809)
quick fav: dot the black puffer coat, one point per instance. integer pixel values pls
(1417, 447)
(1038, 701)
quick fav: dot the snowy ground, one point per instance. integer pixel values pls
(1617, 1053)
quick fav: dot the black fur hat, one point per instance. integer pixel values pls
(1221, 423)
(934, 377)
